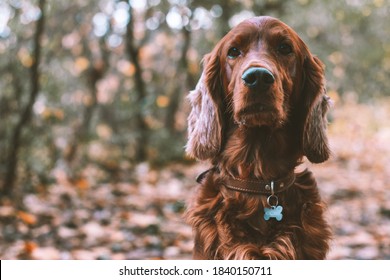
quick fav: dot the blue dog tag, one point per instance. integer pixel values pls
(273, 212)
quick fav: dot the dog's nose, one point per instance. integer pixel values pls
(258, 77)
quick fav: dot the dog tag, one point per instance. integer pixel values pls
(273, 212)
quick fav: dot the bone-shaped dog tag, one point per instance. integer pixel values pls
(273, 212)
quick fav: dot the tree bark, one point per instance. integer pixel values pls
(25, 117)
(141, 127)
(179, 89)
(94, 74)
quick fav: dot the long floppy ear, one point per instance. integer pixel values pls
(205, 119)
(315, 140)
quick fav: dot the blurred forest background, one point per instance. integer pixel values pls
(93, 121)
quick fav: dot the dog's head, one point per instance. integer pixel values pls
(260, 74)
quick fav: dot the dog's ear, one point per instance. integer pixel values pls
(206, 116)
(316, 103)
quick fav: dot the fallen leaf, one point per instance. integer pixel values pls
(29, 247)
(27, 218)
(82, 184)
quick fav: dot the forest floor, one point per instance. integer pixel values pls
(141, 217)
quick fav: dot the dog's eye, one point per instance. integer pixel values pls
(234, 53)
(285, 49)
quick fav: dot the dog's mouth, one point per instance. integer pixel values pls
(258, 114)
(257, 108)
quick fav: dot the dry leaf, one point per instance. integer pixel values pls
(29, 247)
(82, 184)
(27, 218)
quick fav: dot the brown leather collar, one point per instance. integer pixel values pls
(253, 186)
(260, 186)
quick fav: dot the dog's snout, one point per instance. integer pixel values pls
(258, 77)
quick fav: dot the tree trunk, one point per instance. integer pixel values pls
(25, 118)
(183, 75)
(94, 74)
(140, 125)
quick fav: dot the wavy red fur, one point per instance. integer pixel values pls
(240, 142)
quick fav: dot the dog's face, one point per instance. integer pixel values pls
(260, 74)
(262, 60)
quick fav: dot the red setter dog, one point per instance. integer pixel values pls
(258, 109)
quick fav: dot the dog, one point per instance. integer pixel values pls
(258, 110)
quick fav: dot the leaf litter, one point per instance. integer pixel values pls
(142, 217)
